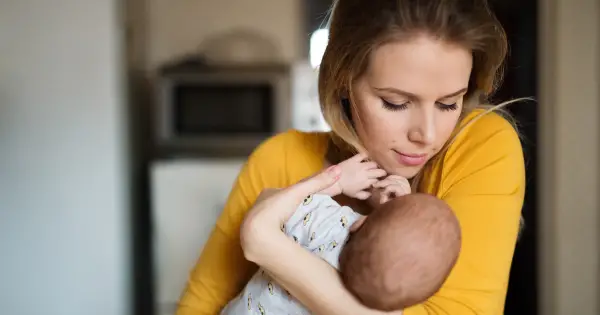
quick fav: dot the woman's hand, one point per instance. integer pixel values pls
(273, 207)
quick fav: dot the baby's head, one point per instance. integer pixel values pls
(403, 252)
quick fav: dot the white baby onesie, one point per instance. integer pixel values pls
(321, 226)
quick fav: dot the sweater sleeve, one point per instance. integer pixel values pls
(222, 271)
(483, 181)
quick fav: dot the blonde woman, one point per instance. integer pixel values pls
(404, 82)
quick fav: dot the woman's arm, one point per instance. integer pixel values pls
(308, 278)
(483, 180)
(311, 280)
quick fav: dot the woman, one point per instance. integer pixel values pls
(403, 81)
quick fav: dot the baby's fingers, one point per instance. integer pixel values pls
(398, 179)
(358, 157)
(384, 183)
(363, 195)
(396, 190)
(369, 165)
(376, 173)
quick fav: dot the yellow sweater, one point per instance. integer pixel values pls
(482, 177)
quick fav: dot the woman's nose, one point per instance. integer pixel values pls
(422, 130)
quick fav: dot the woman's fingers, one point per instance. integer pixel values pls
(314, 184)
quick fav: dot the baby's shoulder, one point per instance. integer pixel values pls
(319, 204)
(318, 209)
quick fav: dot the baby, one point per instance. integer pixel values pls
(402, 254)
(387, 263)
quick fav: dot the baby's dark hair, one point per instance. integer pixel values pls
(403, 253)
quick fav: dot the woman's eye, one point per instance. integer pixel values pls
(392, 106)
(396, 107)
(447, 107)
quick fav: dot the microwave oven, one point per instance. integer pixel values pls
(221, 110)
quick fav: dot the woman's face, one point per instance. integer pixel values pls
(409, 101)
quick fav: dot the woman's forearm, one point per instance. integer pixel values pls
(308, 278)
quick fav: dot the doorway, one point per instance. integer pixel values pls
(520, 20)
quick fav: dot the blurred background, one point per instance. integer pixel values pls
(114, 163)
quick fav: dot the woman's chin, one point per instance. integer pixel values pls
(407, 172)
(394, 167)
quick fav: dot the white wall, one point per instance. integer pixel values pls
(63, 202)
(178, 27)
(570, 161)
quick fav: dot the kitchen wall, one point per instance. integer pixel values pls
(179, 27)
(64, 231)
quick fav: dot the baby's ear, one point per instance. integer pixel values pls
(357, 224)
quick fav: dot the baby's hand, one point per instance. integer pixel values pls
(389, 188)
(358, 176)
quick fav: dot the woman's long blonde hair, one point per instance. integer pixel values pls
(357, 27)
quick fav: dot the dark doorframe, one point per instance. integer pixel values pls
(519, 19)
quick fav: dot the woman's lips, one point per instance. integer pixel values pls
(410, 159)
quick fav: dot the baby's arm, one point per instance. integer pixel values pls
(356, 178)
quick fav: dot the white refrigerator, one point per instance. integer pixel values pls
(187, 197)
